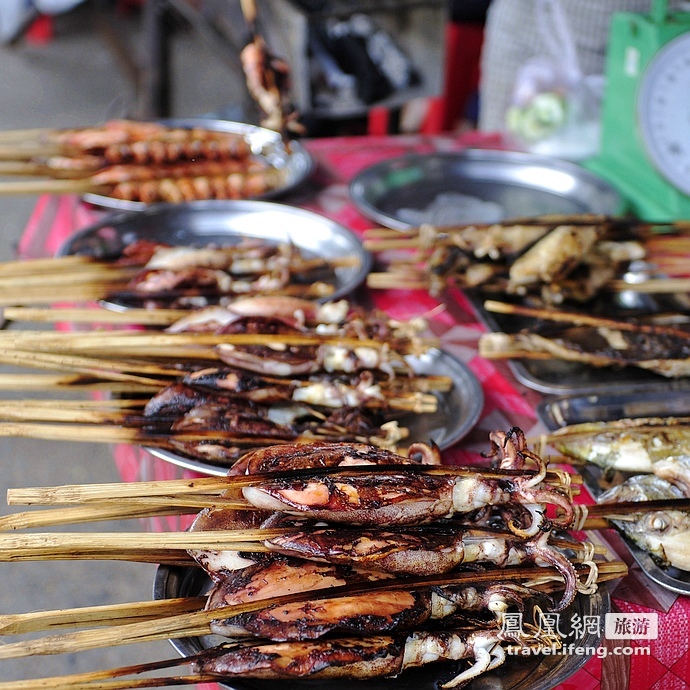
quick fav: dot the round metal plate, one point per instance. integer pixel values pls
(482, 186)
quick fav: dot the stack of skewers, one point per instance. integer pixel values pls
(259, 372)
(598, 291)
(137, 161)
(325, 561)
(548, 259)
(156, 275)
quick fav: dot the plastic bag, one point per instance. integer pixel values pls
(555, 109)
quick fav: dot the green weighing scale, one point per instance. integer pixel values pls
(645, 140)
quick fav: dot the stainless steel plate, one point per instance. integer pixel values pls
(458, 411)
(494, 185)
(518, 673)
(226, 222)
(578, 409)
(266, 144)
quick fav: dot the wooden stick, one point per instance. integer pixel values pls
(97, 616)
(53, 517)
(51, 265)
(653, 286)
(611, 511)
(45, 382)
(47, 281)
(39, 546)
(85, 493)
(59, 413)
(74, 294)
(28, 150)
(381, 281)
(68, 682)
(48, 186)
(142, 317)
(118, 370)
(123, 339)
(22, 135)
(105, 433)
(581, 319)
(197, 623)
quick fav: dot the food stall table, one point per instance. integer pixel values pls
(666, 665)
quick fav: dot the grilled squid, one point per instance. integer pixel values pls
(424, 551)
(359, 659)
(403, 498)
(356, 614)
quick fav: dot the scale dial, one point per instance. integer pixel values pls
(663, 108)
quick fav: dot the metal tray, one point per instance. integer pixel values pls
(266, 144)
(226, 222)
(566, 410)
(672, 401)
(518, 673)
(458, 411)
(504, 184)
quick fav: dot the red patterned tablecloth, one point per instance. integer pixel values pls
(507, 403)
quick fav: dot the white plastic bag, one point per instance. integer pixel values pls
(554, 108)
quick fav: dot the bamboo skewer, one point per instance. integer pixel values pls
(89, 366)
(96, 616)
(118, 614)
(45, 382)
(140, 317)
(37, 546)
(84, 493)
(126, 510)
(197, 623)
(48, 186)
(123, 339)
(582, 319)
(49, 265)
(105, 433)
(132, 546)
(653, 286)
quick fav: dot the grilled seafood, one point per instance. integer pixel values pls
(629, 445)
(676, 470)
(294, 311)
(372, 657)
(304, 637)
(403, 498)
(316, 455)
(664, 534)
(424, 552)
(661, 353)
(198, 276)
(550, 259)
(283, 458)
(182, 408)
(359, 614)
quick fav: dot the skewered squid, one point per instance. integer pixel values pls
(424, 551)
(371, 657)
(386, 633)
(360, 614)
(404, 498)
